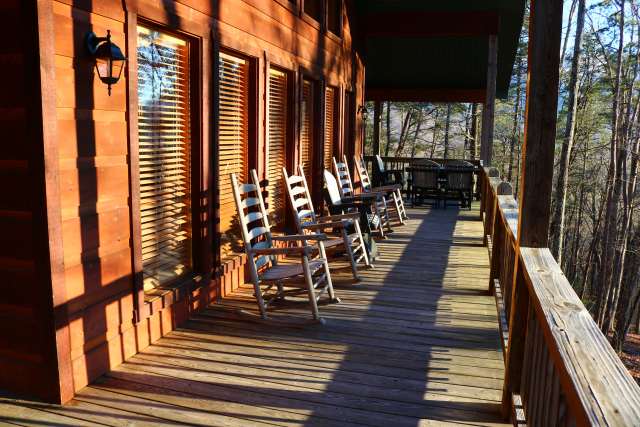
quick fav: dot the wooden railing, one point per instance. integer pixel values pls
(559, 368)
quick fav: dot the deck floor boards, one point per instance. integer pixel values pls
(415, 344)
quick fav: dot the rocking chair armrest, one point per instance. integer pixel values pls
(282, 251)
(338, 217)
(300, 237)
(325, 225)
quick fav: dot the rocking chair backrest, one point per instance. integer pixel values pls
(363, 175)
(425, 173)
(333, 191)
(299, 198)
(380, 163)
(254, 223)
(459, 175)
(343, 177)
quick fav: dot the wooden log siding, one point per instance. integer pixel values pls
(570, 375)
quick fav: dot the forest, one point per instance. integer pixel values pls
(595, 222)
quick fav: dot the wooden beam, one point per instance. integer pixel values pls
(488, 110)
(377, 130)
(447, 23)
(44, 182)
(545, 33)
(427, 95)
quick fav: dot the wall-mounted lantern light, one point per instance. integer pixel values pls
(363, 110)
(109, 57)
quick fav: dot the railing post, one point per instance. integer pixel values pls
(545, 34)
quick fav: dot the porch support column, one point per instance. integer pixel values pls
(377, 130)
(545, 31)
(488, 109)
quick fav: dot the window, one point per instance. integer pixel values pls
(306, 135)
(313, 8)
(277, 144)
(348, 109)
(329, 128)
(164, 145)
(232, 80)
(334, 16)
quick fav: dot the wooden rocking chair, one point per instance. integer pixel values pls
(301, 278)
(338, 205)
(380, 207)
(341, 241)
(459, 176)
(394, 193)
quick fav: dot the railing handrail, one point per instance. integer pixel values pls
(442, 162)
(597, 387)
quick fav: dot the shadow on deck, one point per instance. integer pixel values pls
(416, 343)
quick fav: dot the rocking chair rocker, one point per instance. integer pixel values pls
(302, 278)
(341, 241)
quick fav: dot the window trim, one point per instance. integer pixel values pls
(318, 25)
(335, 37)
(317, 134)
(293, 7)
(165, 296)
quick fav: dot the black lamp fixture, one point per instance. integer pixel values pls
(109, 57)
(363, 110)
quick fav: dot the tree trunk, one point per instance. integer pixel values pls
(474, 131)
(446, 132)
(404, 133)
(610, 217)
(516, 120)
(415, 135)
(435, 134)
(566, 37)
(386, 149)
(596, 230)
(557, 224)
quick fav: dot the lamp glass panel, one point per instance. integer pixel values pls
(103, 65)
(118, 65)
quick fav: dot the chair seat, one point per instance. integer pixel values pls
(290, 270)
(335, 242)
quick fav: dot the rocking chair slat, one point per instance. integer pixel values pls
(255, 232)
(253, 216)
(245, 188)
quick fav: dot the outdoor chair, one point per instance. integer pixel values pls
(394, 192)
(368, 220)
(378, 200)
(290, 279)
(342, 246)
(459, 179)
(425, 181)
(389, 177)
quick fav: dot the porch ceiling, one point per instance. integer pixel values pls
(442, 62)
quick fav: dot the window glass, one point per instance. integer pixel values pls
(313, 8)
(329, 128)
(232, 79)
(163, 134)
(306, 136)
(277, 144)
(334, 16)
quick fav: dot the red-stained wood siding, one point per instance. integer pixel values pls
(93, 151)
(21, 346)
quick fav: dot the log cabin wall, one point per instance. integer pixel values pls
(108, 318)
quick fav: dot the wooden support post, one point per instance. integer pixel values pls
(545, 31)
(37, 21)
(488, 109)
(377, 131)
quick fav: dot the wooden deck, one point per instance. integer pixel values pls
(416, 344)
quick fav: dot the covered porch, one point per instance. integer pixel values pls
(417, 343)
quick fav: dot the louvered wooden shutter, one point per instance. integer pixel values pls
(329, 105)
(163, 133)
(233, 149)
(306, 136)
(277, 144)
